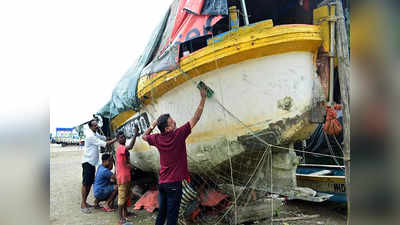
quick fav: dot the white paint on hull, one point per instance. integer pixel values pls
(250, 90)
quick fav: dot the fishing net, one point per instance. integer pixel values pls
(236, 180)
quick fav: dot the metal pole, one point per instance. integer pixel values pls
(246, 18)
(331, 55)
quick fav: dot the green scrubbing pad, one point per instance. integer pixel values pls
(210, 92)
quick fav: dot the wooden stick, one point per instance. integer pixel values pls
(305, 217)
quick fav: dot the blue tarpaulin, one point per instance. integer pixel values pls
(124, 94)
(156, 57)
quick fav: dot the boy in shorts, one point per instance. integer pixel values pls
(124, 174)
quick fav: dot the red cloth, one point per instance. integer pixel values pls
(306, 5)
(211, 198)
(122, 169)
(188, 25)
(172, 148)
(194, 6)
(194, 214)
(149, 201)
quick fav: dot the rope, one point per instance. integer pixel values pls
(331, 150)
(271, 191)
(268, 150)
(266, 143)
(337, 142)
(245, 186)
(269, 146)
(246, 126)
(230, 157)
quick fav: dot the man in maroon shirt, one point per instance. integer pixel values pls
(171, 145)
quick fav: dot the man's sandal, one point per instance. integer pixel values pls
(123, 221)
(85, 210)
(108, 209)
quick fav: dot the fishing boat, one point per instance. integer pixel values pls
(259, 58)
(325, 171)
(329, 179)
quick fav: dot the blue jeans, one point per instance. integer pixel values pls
(169, 200)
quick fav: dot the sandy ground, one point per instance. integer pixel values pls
(65, 197)
(65, 192)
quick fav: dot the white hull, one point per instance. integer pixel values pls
(251, 91)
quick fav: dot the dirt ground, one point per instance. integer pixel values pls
(65, 193)
(65, 197)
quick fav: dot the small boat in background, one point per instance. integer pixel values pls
(328, 179)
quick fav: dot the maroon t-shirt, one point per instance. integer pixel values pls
(172, 148)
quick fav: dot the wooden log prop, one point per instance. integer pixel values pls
(255, 210)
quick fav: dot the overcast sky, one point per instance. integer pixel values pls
(94, 42)
(60, 60)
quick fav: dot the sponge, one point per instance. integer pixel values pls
(209, 91)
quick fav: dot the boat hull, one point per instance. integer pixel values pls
(334, 182)
(271, 95)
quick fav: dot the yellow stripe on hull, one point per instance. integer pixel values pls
(121, 119)
(249, 42)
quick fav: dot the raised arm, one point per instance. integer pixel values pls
(130, 146)
(199, 110)
(149, 130)
(112, 141)
(98, 142)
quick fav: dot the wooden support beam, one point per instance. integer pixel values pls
(255, 210)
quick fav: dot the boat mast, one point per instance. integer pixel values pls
(246, 18)
(332, 51)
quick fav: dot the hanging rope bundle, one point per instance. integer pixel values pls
(337, 107)
(332, 126)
